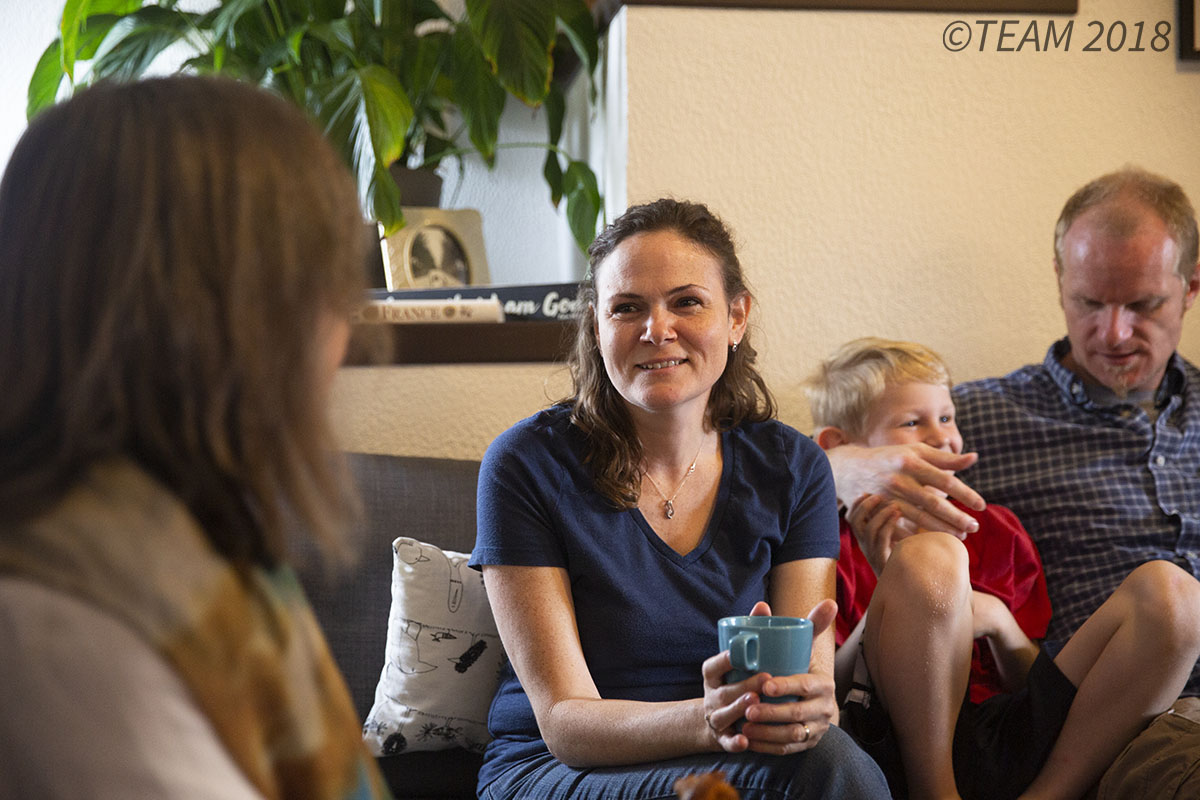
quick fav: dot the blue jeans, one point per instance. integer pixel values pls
(835, 769)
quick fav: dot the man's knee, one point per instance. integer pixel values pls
(1166, 597)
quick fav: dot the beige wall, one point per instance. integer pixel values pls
(877, 183)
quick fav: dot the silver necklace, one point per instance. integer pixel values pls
(669, 502)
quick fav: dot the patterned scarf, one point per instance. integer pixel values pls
(243, 640)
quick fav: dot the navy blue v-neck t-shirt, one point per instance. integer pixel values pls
(646, 614)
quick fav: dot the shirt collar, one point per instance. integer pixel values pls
(1072, 385)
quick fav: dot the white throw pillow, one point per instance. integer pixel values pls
(443, 656)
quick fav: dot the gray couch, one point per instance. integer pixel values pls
(430, 499)
(433, 499)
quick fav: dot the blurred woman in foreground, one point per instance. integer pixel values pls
(179, 258)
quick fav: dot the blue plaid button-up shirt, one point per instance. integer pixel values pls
(1101, 489)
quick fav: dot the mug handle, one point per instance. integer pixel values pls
(743, 652)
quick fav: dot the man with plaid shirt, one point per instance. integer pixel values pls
(1096, 449)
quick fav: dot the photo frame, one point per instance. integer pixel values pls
(436, 248)
(1189, 35)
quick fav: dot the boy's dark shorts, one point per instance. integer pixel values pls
(1000, 744)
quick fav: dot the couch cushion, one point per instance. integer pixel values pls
(434, 499)
(431, 498)
(443, 655)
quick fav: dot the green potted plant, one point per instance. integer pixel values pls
(390, 81)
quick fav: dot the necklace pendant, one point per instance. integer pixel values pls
(669, 509)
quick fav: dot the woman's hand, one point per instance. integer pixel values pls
(777, 728)
(725, 704)
(782, 728)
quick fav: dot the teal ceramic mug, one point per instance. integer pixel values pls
(779, 646)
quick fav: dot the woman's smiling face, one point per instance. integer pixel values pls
(663, 321)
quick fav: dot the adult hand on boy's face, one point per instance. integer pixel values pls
(916, 477)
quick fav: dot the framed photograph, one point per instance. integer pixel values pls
(1189, 30)
(436, 248)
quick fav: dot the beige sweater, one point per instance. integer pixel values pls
(244, 642)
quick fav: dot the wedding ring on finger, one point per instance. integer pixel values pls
(708, 720)
(807, 733)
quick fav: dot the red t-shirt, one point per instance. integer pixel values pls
(1003, 562)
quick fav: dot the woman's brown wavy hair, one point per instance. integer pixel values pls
(168, 250)
(739, 395)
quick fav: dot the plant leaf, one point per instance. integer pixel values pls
(48, 76)
(555, 108)
(436, 148)
(577, 24)
(479, 97)
(93, 34)
(385, 201)
(365, 114)
(153, 30)
(46, 80)
(335, 35)
(227, 17)
(314, 10)
(552, 172)
(326, 10)
(583, 202)
(75, 17)
(284, 52)
(516, 37)
(388, 111)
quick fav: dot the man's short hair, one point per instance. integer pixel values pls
(846, 385)
(1161, 195)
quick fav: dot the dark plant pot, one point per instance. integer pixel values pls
(374, 257)
(418, 187)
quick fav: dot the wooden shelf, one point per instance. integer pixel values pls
(460, 343)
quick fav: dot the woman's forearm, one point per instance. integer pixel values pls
(590, 732)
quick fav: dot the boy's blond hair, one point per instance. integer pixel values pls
(846, 385)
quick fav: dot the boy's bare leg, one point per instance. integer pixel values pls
(917, 645)
(1130, 661)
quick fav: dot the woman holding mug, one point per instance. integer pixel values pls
(617, 527)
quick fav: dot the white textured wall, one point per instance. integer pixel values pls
(877, 183)
(450, 411)
(29, 26)
(526, 239)
(880, 184)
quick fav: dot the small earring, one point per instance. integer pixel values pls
(734, 348)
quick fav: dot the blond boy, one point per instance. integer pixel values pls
(943, 683)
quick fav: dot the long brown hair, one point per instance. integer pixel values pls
(739, 395)
(168, 252)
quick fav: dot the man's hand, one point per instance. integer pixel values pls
(916, 477)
